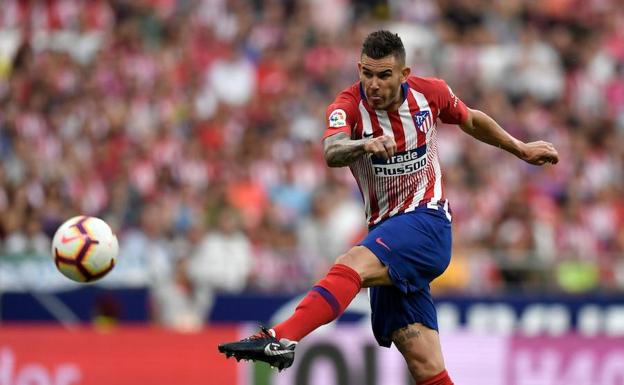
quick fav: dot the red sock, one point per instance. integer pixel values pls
(323, 304)
(441, 378)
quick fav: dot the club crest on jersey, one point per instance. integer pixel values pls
(338, 118)
(420, 118)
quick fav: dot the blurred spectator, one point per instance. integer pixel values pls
(233, 78)
(577, 276)
(222, 259)
(25, 238)
(292, 199)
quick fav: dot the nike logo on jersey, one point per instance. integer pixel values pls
(367, 135)
(378, 240)
(275, 349)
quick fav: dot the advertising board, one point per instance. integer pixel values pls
(348, 355)
(42, 355)
(333, 355)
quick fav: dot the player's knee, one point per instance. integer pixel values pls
(348, 259)
(371, 271)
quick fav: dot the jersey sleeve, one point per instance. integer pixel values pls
(452, 109)
(340, 116)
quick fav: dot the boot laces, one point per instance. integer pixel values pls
(262, 334)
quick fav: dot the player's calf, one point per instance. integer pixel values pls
(420, 346)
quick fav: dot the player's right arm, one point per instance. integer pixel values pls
(340, 150)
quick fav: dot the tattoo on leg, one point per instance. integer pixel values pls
(404, 335)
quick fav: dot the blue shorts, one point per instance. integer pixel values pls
(416, 248)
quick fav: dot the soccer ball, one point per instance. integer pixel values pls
(84, 248)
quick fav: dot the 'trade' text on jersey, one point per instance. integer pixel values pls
(403, 163)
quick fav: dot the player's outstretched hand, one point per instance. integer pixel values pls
(540, 152)
(382, 146)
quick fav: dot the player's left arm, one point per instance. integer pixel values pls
(482, 127)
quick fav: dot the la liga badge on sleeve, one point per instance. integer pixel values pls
(338, 118)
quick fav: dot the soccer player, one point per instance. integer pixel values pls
(384, 129)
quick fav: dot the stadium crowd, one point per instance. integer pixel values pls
(193, 128)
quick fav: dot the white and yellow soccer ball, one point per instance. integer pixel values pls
(84, 248)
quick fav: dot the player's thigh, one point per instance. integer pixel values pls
(415, 247)
(420, 346)
(367, 265)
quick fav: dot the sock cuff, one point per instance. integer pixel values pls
(348, 272)
(435, 380)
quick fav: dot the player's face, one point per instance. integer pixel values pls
(381, 79)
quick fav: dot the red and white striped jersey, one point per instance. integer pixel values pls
(412, 177)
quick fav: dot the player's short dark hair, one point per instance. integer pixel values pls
(383, 43)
